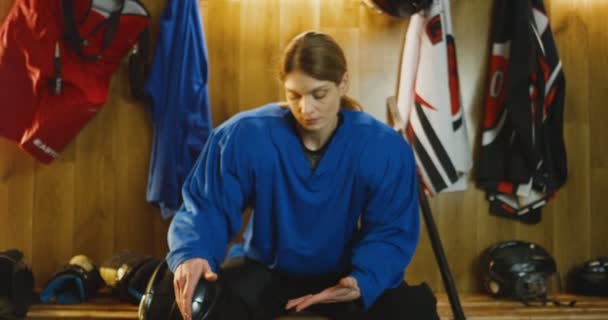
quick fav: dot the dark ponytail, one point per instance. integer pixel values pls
(348, 103)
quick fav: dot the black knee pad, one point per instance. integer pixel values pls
(405, 301)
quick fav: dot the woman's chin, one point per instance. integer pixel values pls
(310, 128)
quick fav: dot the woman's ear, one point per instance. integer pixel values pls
(344, 84)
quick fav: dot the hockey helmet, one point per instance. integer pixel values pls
(517, 269)
(158, 302)
(591, 278)
(398, 8)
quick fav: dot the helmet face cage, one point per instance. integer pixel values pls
(531, 286)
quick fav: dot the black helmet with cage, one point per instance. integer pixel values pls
(518, 270)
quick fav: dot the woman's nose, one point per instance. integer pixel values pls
(306, 105)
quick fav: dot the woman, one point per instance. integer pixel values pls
(310, 170)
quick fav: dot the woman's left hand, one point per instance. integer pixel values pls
(346, 290)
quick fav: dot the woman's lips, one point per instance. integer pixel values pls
(311, 121)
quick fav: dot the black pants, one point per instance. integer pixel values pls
(258, 293)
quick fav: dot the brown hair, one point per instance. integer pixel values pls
(318, 55)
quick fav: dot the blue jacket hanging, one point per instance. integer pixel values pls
(177, 89)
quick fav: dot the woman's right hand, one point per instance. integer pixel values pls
(186, 277)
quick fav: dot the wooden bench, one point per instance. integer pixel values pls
(476, 306)
(98, 308)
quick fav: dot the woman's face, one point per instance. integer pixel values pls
(314, 103)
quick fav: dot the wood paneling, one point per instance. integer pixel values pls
(92, 199)
(598, 130)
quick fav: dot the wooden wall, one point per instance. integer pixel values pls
(91, 199)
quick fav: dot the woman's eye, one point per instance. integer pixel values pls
(320, 95)
(293, 97)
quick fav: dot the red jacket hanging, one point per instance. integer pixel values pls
(54, 78)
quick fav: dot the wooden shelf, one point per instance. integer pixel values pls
(476, 306)
(98, 308)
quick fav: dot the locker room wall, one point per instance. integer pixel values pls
(91, 199)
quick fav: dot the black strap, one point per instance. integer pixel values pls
(58, 82)
(113, 21)
(139, 65)
(73, 38)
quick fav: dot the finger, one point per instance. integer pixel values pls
(207, 273)
(314, 299)
(350, 282)
(178, 295)
(178, 284)
(210, 275)
(293, 302)
(337, 294)
(344, 291)
(184, 307)
(187, 293)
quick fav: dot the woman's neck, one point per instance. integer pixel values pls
(315, 140)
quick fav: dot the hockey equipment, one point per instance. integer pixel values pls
(242, 282)
(398, 8)
(522, 159)
(16, 284)
(127, 274)
(158, 302)
(517, 270)
(76, 283)
(591, 278)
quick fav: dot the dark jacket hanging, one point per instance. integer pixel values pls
(522, 156)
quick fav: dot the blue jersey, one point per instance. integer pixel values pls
(304, 221)
(177, 88)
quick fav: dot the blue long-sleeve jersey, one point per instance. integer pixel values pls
(304, 221)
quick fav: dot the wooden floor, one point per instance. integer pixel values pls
(475, 306)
